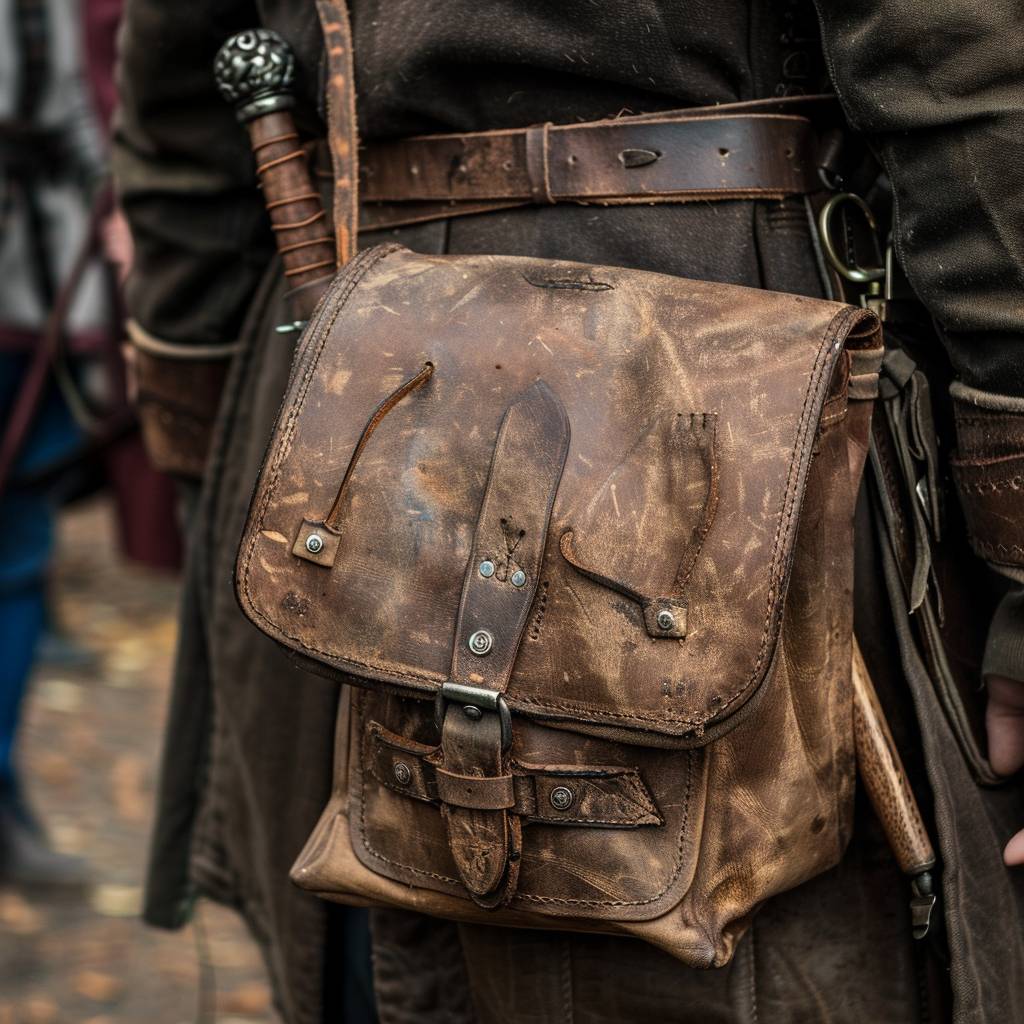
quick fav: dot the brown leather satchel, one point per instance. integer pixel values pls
(581, 539)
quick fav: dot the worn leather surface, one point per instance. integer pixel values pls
(710, 466)
(620, 349)
(673, 156)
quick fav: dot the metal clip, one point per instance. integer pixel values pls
(922, 903)
(874, 280)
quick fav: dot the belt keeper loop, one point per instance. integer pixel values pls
(538, 163)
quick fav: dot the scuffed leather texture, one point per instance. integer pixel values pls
(620, 349)
(988, 468)
(716, 761)
(177, 401)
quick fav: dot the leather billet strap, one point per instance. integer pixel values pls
(586, 796)
(500, 584)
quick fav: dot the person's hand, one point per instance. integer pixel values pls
(1004, 721)
(116, 239)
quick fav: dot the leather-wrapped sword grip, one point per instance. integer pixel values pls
(254, 71)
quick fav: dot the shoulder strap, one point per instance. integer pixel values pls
(342, 135)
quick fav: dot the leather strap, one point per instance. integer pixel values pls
(501, 581)
(342, 131)
(676, 157)
(585, 796)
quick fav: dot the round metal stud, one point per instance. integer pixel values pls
(666, 620)
(487, 569)
(314, 543)
(472, 712)
(402, 773)
(561, 798)
(481, 642)
(519, 578)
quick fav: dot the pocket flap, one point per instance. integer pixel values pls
(693, 410)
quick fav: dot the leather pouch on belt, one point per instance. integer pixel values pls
(581, 538)
(177, 394)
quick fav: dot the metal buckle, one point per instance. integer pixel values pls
(475, 700)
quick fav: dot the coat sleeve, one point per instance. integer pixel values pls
(185, 175)
(938, 88)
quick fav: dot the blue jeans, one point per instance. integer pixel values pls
(26, 542)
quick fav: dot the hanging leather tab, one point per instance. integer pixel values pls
(500, 585)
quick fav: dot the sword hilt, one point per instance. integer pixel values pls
(254, 71)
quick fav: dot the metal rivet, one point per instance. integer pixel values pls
(472, 712)
(402, 773)
(666, 620)
(487, 569)
(561, 798)
(314, 543)
(519, 578)
(481, 642)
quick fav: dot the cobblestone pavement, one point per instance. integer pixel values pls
(89, 750)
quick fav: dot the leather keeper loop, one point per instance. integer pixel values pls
(538, 167)
(485, 794)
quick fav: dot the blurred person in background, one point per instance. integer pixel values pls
(64, 424)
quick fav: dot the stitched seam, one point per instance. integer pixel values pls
(782, 535)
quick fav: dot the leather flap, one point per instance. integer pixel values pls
(654, 600)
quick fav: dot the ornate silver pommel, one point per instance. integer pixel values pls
(254, 71)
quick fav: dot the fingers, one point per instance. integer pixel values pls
(1004, 722)
(1013, 855)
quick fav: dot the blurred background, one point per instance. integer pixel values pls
(89, 554)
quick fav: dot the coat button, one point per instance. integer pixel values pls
(402, 773)
(666, 620)
(314, 543)
(487, 569)
(519, 578)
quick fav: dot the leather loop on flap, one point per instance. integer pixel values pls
(317, 540)
(642, 531)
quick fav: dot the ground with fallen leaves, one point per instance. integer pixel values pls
(89, 747)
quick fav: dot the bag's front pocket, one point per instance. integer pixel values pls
(606, 831)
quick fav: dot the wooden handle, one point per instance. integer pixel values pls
(254, 71)
(884, 778)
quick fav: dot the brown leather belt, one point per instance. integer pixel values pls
(740, 151)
